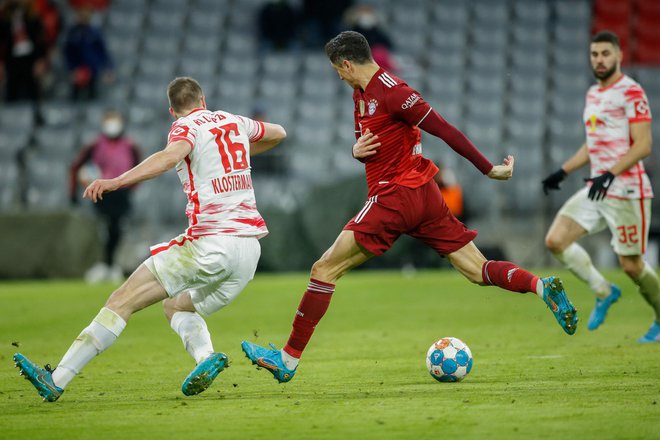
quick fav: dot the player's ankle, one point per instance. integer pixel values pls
(290, 361)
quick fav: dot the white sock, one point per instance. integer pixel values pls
(289, 361)
(194, 333)
(100, 334)
(539, 289)
(576, 259)
(649, 287)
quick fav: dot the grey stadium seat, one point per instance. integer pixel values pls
(17, 116)
(531, 12)
(9, 183)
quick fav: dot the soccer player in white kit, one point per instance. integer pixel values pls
(201, 270)
(618, 195)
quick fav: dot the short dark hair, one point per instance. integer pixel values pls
(183, 93)
(606, 37)
(348, 45)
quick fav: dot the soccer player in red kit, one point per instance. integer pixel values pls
(403, 199)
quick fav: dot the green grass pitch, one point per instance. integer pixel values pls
(363, 375)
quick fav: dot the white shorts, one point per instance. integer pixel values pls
(627, 219)
(214, 269)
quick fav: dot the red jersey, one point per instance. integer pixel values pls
(391, 109)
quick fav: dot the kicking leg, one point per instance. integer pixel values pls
(344, 255)
(473, 265)
(139, 291)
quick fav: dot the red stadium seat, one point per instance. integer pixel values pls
(646, 53)
(613, 9)
(647, 28)
(648, 9)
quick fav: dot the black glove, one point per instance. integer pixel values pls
(600, 185)
(553, 180)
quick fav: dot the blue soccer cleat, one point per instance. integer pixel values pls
(555, 297)
(203, 375)
(40, 378)
(269, 359)
(653, 335)
(602, 306)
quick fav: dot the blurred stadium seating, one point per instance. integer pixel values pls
(511, 73)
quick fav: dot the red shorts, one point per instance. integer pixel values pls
(418, 212)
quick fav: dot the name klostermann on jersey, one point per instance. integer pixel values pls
(231, 183)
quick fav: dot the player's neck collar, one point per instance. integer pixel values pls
(373, 78)
(603, 88)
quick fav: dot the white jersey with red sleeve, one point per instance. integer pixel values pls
(216, 174)
(608, 113)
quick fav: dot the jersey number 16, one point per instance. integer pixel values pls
(233, 154)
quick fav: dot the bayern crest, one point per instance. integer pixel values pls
(371, 108)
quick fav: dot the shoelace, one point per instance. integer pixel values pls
(273, 346)
(48, 368)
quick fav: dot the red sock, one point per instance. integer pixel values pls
(312, 307)
(508, 276)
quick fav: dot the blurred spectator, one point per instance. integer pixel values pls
(365, 19)
(110, 155)
(322, 20)
(278, 25)
(451, 191)
(22, 50)
(87, 57)
(98, 5)
(51, 19)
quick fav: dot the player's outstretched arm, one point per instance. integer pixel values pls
(273, 135)
(152, 166)
(503, 171)
(578, 160)
(436, 125)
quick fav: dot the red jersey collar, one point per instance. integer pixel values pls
(602, 89)
(193, 111)
(373, 78)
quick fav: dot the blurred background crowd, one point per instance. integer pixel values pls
(83, 94)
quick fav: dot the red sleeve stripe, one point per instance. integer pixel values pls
(261, 131)
(182, 138)
(640, 119)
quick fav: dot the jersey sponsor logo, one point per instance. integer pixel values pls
(372, 106)
(179, 130)
(594, 122)
(410, 101)
(231, 183)
(641, 108)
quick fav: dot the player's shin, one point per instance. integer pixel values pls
(100, 334)
(509, 276)
(649, 287)
(194, 333)
(312, 307)
(577, 260)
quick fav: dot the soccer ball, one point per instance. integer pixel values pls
(449, 360)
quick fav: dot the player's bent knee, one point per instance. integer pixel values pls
(325, 271)
(169, 308)
(632, 268)
(554, 243)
